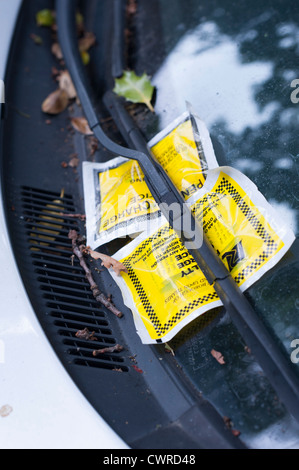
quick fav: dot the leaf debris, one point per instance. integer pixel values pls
(140, 371)
(137, 89)
(108, 262)
(36, 39)
(169, 349)
(85, 334)
(228, 423)
(56, 102)
(81, 125)
(45, 17)
(66, 83)
(218, 356)
(5, 411)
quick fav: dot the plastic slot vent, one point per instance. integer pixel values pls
(66, 294)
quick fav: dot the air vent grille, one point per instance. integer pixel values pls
(68, 304)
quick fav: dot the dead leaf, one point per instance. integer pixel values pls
(56, 102)
(86, 42)
(56, 50)
(228, 422)
(5, 411)
(137, 369)
(93, 145)
(81, 125)
(65, 83)
(108, 262)
(229, 425)
(131, 7)
(169, 349)
(85, 334)
(36, 39)
(218, 356)
(74, 162)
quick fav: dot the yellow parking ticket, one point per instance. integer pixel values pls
(164, 287)
(244, 229)
(117, 200)
(185, 151)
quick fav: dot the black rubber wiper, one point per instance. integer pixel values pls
(263, 346)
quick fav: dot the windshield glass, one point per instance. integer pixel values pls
(237, 64)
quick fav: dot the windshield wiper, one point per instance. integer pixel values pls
(262, 344)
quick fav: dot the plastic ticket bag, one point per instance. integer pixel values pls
(247, 233)
(185, 151)
(117, 200)
(164, 287)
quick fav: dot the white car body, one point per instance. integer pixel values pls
(40, 406)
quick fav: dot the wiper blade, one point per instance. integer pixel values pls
(262, 344)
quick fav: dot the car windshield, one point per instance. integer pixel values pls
(237, 64)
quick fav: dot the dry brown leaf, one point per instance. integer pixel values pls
(74, 162)
(56, 102)
(65, 83)
(131, 7)
(81, 125)
(85, 334)
(86, 42)
(36, 39)
(56, 50)
(108, 262)
(218, 356)
(5, 411)
(229, 425)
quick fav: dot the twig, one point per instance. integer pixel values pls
(74, 216)
(112, 349)
(98, 295)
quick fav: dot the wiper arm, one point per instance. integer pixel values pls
(263, 346)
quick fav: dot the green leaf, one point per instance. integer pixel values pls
(134, 88)
(85, 57)
(79, 19)
(45, 18)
